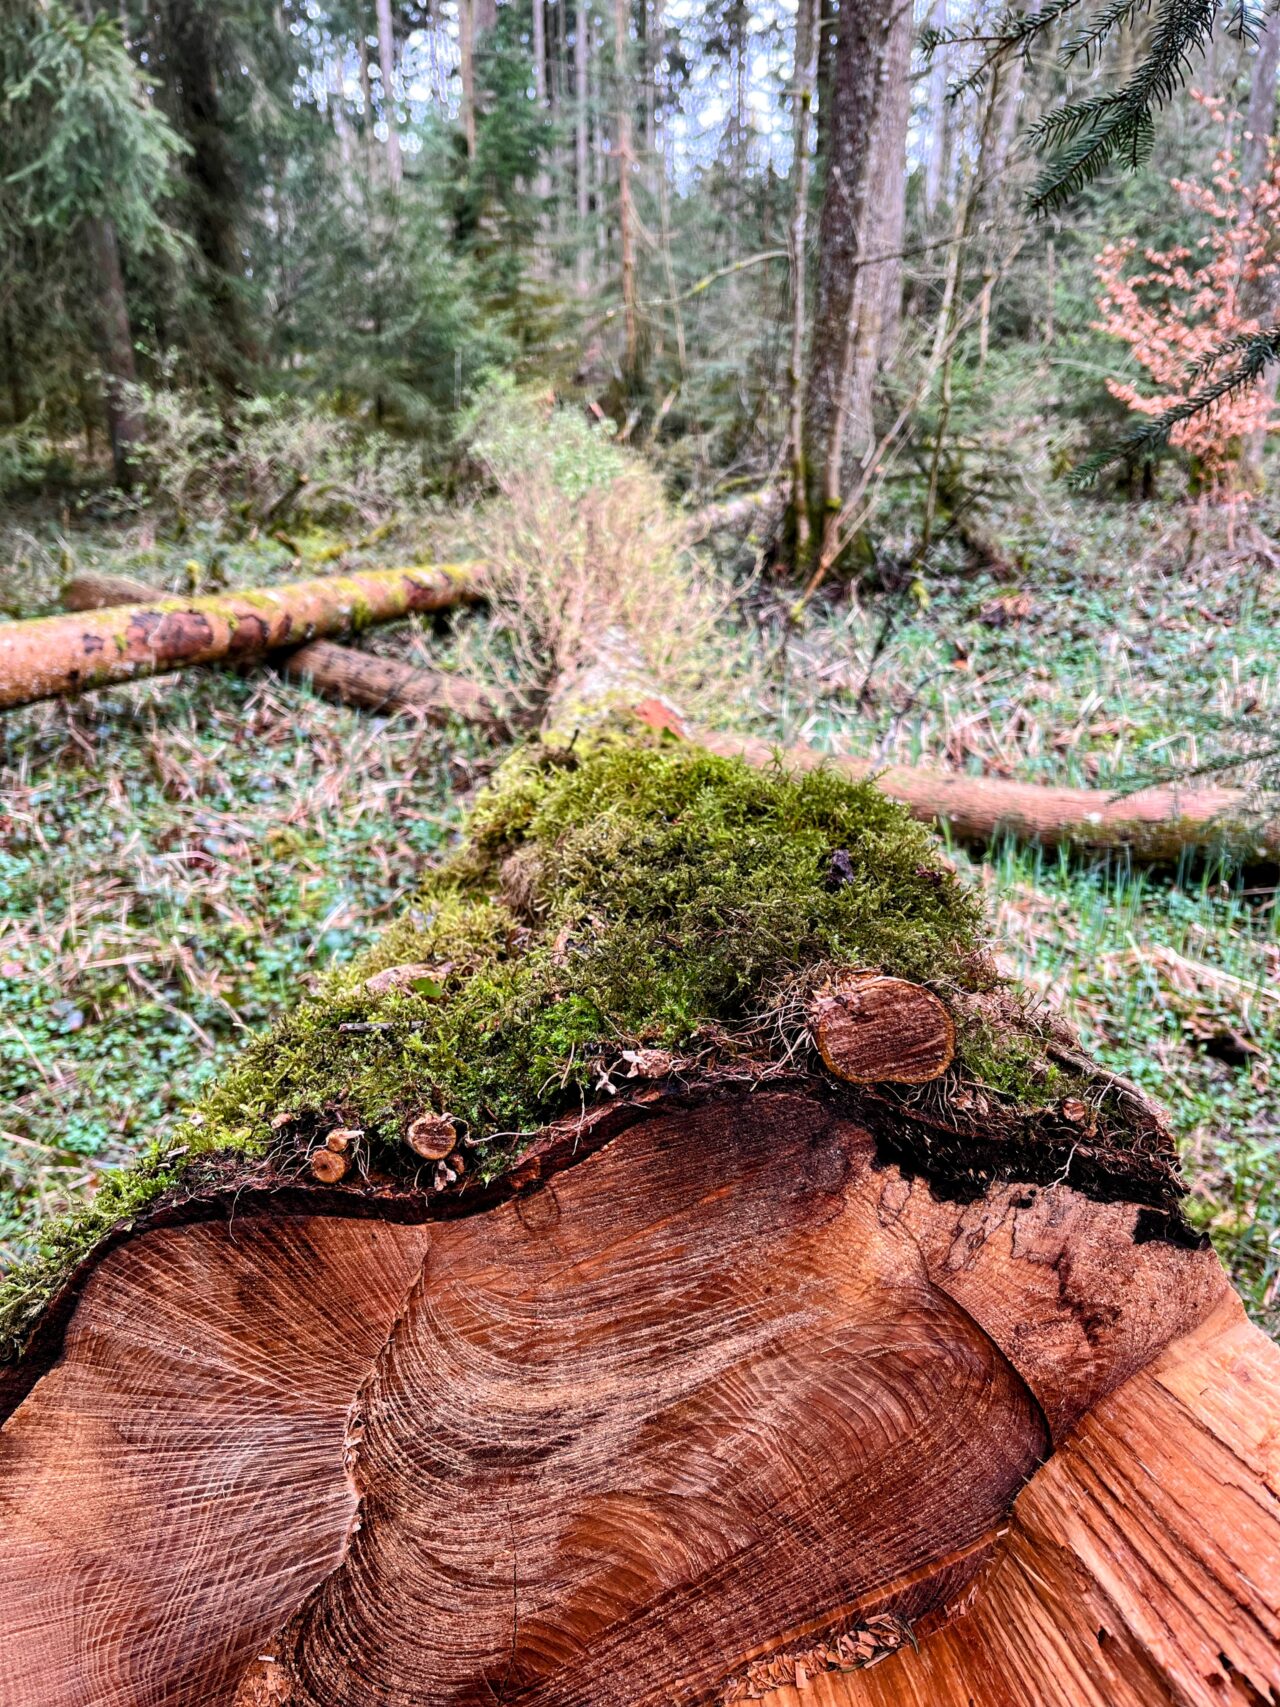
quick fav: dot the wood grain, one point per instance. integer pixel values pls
(176, 1484)
(721, 1389)
(876, 1030)
(1142, 1568)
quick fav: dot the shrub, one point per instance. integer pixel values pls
(1190, 302)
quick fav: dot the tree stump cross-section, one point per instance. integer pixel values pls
(726, 1387)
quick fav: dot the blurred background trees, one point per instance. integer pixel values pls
(769, 241)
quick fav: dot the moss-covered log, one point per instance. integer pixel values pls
(54, 655)
(341, 673)
(633, 1355)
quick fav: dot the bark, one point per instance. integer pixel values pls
(582, 153)
(389, 684)
(190, 42)
(1255, 155)
(115, 348)
(55, 655)
(542, 187)
(387, 66)
(335, 672)
(806, 71)
(626, 211)
(937, 159)
(1156, 824)
(865, 144)
(467, 71)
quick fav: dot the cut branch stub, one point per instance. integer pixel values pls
(431, 1136)
(876, 1030)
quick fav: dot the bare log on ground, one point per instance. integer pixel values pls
(342, 673)
(734, 1376)
(1157, 824)
(389, 684)
(56, 655)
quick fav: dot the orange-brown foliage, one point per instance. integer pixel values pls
(1191, 301)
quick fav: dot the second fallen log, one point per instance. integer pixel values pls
(55, 655)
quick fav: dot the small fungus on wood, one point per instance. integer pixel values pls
(875, 1030)
(328, 1166)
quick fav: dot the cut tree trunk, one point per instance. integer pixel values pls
(56, 655)
(752, 1371)
(708, 1388)
(335, 672)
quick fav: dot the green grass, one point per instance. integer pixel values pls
(1174, 984)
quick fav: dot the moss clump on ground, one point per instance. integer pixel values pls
(631, 893)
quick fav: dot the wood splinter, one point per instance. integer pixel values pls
(871, 1029)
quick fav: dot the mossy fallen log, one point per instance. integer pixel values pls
(49, 656)
(634, 1356)
(341, 673)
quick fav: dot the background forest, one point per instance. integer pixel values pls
(834, 344)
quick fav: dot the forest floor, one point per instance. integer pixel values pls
(180, 858)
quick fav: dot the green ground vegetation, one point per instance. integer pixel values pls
(182, 862)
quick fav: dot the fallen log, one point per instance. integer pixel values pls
(342, 673)
(54, 655)
(717, 1288)
(1156, 824)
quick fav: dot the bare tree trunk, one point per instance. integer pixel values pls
(366, 97)
(1260, 134)
(115, 347)
(805, 76)
(467, 72)
(626, 211)
(541, 185)
(937, 149)
(387, 66)
(872, 57)
(883, 281)
(56, 655)
(191, 82)
(581, 136)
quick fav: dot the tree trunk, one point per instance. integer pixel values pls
(1157, 824)
(772, 1361)
(467, 71)
(626, 214)
(937, 150)
(806, 71)
(190, 41)
(581, 136)
(56, 655)
(387, 66)
(864, 143)
(1255, 157)
(115, 348)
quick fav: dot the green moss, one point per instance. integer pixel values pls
(632, 892)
